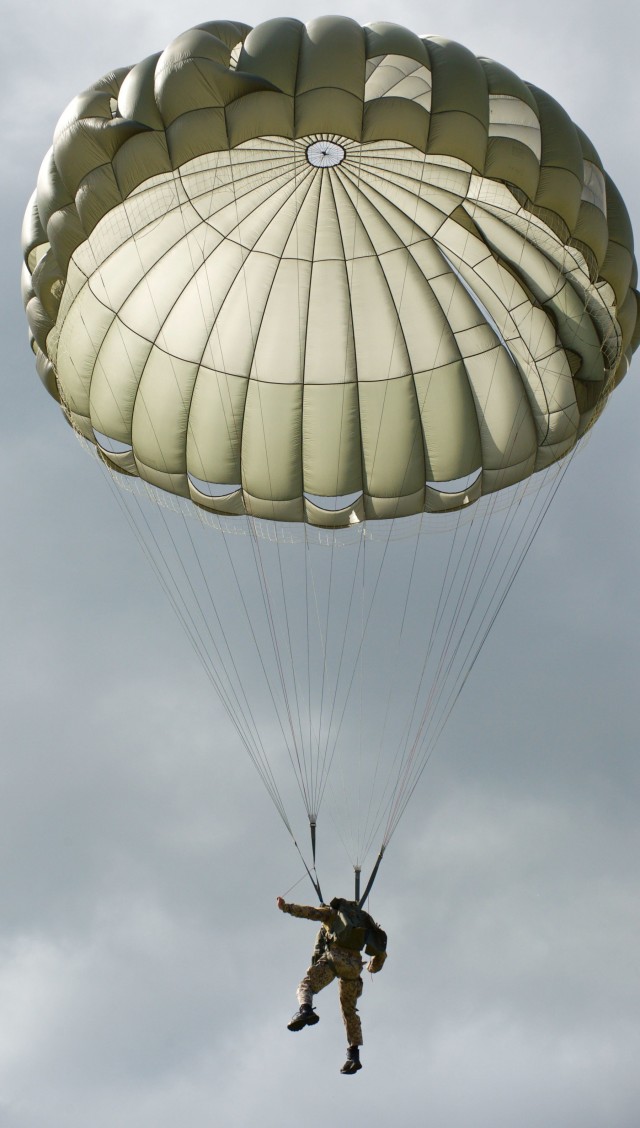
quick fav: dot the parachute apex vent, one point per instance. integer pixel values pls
(325, 154)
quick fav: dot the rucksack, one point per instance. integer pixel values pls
(355, 929)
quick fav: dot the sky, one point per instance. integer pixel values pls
(146, 977)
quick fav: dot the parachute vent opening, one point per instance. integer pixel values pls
(214, 489)
(333, 504)
(235, 56)
(325, 154)
(457, 485)
(113, 105)
(111, 446)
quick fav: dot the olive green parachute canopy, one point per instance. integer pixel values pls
(326, 273)
(334, 275)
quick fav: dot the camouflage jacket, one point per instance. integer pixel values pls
(327, 918)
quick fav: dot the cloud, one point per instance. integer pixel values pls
(146, 977)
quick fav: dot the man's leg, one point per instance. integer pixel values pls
(319, 975)
(350, 992)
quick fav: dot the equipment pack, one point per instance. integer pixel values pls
(355, 929)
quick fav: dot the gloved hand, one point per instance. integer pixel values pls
(376, 963)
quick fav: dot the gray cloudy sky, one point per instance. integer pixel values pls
(145, 976)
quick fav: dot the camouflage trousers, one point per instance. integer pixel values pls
(346, 968)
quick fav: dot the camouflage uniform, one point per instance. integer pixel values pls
(334, 961)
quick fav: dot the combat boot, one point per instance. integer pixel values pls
(353, 1063)
(306, 1016)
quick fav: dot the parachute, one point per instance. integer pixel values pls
(346, 299)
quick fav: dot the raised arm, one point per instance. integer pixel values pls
(322, 913)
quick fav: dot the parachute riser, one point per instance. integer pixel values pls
(314, 880)
(374, 873)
